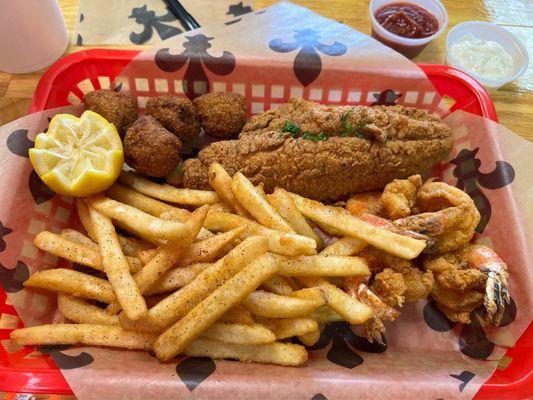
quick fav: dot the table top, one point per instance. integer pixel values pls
(514, 101)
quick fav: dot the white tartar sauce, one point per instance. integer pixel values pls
(483, 57)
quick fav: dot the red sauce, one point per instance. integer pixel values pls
(407, 20)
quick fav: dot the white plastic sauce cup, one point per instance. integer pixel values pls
(32, 35)
(407, 46)
(488, 31)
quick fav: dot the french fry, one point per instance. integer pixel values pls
(350, 309)
(153, 229)
(167, 256)
(247, 195)
(278, 285)
(270, 305)
(176, 278)
(310, 338)
(130, 246)
(138, 200)
(287, 354)
(349, 225)
(221, 207)
(179, 303)
(167, 192)
(174, 340)
(261, 190)
(237, 315)
(325, 315)
(72, 282)
(322, 266)
(283, 203)
(78, 237)
(289, 244)
(85, 218)
(346, 246)
(288, 327)
(78, 310)
(83, 334)
(60, 246)
(239, 333)
(197, 253)
(116, 267)
(179, 215)
(220, 180)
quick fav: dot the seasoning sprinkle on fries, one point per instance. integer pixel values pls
(229, 277)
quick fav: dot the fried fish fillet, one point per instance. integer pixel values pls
(336, 151)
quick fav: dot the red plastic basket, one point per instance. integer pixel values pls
(66, 82)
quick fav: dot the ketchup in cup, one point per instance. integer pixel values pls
(407, 26)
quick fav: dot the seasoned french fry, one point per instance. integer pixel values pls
(261, 190)
(116, 267)
(60, 246)
(310, 338)
(322, 266)
(78, 310)
(64, 248)
(247, 195)
(237, 315)
(179, 215)
(130, 246)
(175, 306)
(166, 192)
(78, 237)
(239, 333)
(350, 309)
(349, 225)
(289, 244)
(221, 207)
(287, 327)
(312, 293)
(283, 203)
(85, 218)
(177, 278)
(153, 229)
(346, 246)
(83, 334)
(278, 285)
(74, 283)
(201, 252)
(286, 354)
(270, 305)
(220, 180)
(138, 200)
(325, 315)
(174, 340)
(167, 255)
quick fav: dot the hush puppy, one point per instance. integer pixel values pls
(176, 114)
(221, 114)
(151, 149)
(118, 108)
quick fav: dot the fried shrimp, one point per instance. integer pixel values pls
(448, 215)
(399, 196)
(467, 278)
(365, 203)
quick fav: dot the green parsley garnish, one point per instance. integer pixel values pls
(350, 130)
(291, 128)
(314, 138)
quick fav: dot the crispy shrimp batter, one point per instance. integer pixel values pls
(365, 203)
(399, 196)
(448, 215)
(468, 278)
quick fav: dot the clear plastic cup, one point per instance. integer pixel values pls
(406, 46)
(488, 31)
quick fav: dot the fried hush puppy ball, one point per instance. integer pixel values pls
(118, 108)
(222, 114)
(151, 149)
(176, 114)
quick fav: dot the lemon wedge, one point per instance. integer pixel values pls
(78, 156)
